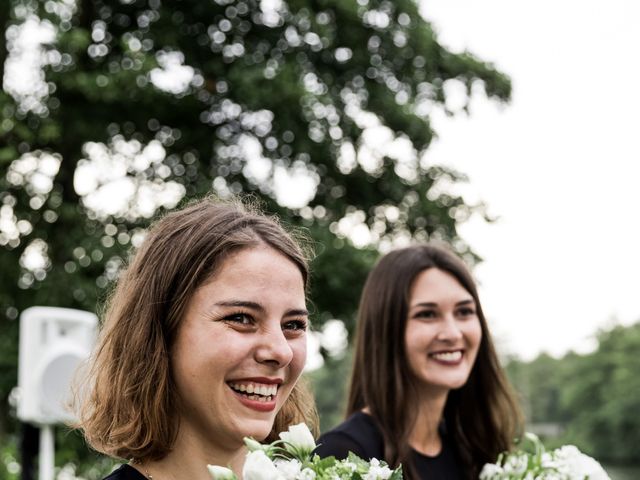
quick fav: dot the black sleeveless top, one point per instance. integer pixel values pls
(359, 434)
(125, 472)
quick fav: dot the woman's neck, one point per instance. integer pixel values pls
(425, 436)
(189, 458)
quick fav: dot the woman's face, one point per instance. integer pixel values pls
(240, 348)
(443, 331)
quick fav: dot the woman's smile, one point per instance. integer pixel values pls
(258, 394)
(448, 357)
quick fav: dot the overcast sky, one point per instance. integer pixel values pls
(560, 165)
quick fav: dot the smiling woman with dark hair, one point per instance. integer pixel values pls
(427, 390)
(203, 343)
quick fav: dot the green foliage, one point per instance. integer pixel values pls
(72, 453)
(9, 463)
(606, 401)
(307, 85)
(594, 397)
(330, 386)
(540, 383)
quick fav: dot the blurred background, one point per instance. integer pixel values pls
(503, 128)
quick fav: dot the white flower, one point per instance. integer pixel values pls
(564, 463)
(347, 465)
(307, 474)
(548, 461)
(220, 473)
(299, 440)
(490, 470)
(516, 464)
(289, 469)
(258, 466)
(252, 444)
(577, 465)
(550, 476)
(290, 459)
(377, 471)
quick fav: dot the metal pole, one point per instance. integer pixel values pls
(47, 453)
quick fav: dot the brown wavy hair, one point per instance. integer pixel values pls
(482, 417)
(127, 406)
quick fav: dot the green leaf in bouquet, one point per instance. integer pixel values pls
(397, 474)
(362, 465)
(323, 463)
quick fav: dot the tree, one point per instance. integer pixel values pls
(595, 397)
(163, 101)
(604, 397)
(330, 388)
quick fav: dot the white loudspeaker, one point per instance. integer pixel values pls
(53, 343)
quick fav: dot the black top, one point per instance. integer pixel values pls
(125, 472)
(359, 434)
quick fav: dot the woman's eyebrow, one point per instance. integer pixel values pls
(259, 308)
(466, 302)
(297, 312)
(241, 303)
(425, 304)
(469, 301)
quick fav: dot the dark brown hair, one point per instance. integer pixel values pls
(482, 417)
(127, 410)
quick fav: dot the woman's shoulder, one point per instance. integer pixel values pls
(125, 472)
(358, 434)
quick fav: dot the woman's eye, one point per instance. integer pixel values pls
(466, 312)
(426, 314)
(239, 318)
(296, 325)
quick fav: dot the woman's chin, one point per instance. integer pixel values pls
(257, 429)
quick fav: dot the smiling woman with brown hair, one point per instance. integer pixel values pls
(427, 390)
(202, 344)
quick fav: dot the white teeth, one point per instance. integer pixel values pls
(256, 390)
(260, 398)
(448, 356)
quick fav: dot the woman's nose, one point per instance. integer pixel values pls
(274, 348)
(450, 330)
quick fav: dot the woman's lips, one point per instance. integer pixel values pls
(449, 357)
(256, 393)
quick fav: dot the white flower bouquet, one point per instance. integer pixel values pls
(564, 463)
(291, 458)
